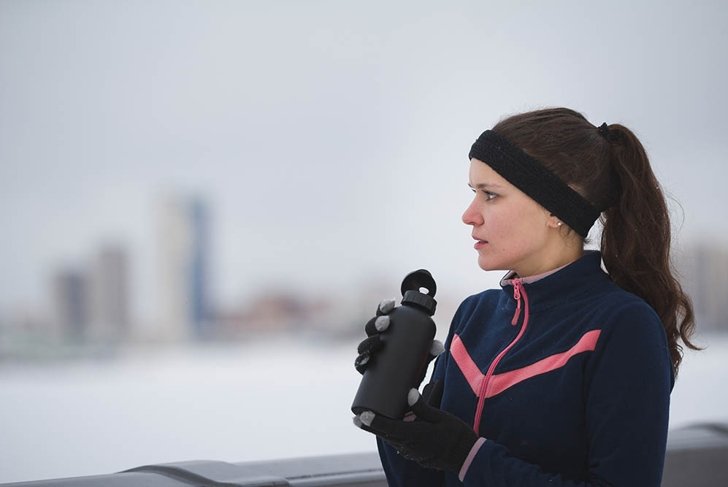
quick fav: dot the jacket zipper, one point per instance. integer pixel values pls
(518, 293)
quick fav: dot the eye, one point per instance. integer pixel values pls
(489, 195)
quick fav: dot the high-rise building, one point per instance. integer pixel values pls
(199, 272)
(109, 294)
(183, 269)
(704, 276)
(71, 304)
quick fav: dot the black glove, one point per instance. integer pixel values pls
(368, 348)
(434, 439)
(371, 345)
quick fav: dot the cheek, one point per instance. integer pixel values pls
(516, 230)
(504, 223)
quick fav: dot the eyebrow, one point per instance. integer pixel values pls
(485, 185)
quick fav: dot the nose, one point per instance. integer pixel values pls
(472, 216)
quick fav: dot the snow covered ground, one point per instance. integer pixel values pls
(269, 399)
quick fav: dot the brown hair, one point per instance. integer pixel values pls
(610, 168)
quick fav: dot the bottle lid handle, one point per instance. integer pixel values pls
(419, 280)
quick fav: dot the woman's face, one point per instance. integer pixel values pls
(510, 229)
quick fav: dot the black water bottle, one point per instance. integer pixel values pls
(402, 360)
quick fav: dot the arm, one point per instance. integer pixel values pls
(401, 471)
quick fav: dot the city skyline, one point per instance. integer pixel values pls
(92, 302)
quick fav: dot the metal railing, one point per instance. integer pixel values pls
(697, 456)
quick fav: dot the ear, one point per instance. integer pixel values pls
(552, 221)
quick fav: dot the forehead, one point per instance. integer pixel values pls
(483, 174)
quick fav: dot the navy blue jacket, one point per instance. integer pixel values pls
(567, 378)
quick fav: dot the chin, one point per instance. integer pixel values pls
(487, 265)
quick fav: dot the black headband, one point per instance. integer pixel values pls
(534, 179)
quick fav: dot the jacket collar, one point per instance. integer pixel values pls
(557, 285)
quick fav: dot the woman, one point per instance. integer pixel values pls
(562, 376)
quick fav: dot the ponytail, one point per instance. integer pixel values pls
(609, 167)
(636, 237)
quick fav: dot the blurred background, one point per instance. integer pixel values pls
(202, 202)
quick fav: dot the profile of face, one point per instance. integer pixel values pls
(511, 230)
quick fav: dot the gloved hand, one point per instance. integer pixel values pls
(371, 345)
(434, 439)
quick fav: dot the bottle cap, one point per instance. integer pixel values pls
(419, 300)
(412, 294)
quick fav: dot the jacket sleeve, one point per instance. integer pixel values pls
(401, 472)
(627, 388)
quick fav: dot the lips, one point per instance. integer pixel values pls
(479, 243)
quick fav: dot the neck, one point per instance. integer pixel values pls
(552, 258)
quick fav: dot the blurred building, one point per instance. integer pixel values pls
(70, 292)
(183, 259)
(704, 272)
(320, 315)
(109, 294)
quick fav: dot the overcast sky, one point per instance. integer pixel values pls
(329, 138)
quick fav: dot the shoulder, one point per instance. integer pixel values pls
(625, 313)
(485, 298)
(484, 303)
(633, 337)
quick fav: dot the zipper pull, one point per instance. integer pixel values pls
(517, 297)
